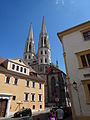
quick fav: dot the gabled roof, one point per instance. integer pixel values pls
(73, 29)
(53, 69)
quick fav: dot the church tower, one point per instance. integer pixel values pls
(29, 51)
(44, 54)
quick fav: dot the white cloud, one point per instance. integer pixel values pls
(59, 1)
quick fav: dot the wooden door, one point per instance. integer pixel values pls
(3, 106)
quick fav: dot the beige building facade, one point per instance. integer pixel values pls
(76, 51)
(20, 87)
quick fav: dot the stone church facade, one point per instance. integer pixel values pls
(41, 62)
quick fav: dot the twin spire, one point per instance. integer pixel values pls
(30, 34)
(43, 30)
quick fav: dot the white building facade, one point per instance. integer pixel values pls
(76, 51)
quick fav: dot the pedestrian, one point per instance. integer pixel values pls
(52, 115)
(59, 114)
(30, 115)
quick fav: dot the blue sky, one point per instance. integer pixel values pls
(16, 16)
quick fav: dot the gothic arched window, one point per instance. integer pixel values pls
(41, 41)
(30, 47)
(53, 90)
(45, 41)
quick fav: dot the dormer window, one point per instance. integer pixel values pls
(24, 70)
(17, 68)
(13, 66)
(21, 70)
(20, 61)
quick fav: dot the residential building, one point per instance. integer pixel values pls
(20, 86)
(76, 51)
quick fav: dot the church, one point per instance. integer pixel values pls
(41, 63)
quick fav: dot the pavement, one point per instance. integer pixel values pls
(40, 115)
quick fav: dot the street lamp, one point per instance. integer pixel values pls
(76, 88)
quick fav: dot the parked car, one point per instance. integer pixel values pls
(23, 112)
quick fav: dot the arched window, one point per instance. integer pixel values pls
(45, 41)
(30, 47)
(42, 42)
(53, 88)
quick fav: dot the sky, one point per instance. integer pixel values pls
(16, 16)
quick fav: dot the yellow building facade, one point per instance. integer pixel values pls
(20, 87)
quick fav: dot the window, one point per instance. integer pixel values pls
(33, 84)
(14, 98)
(24, 70)
(45, 52)
(39, 85)
(15, 81)
(30, 47)
(84, 58)
(89, 88)
(39, 97)
(44, 40)
(27, 83)
(29, 56)
(88, 58)
(86, 35)
(13, 66)
(45, 60)
(8, 79)
(33, 106)
(17, 68)
(21, 70)
(26, 97)
(86, 84)
(41, 52)
(28, 63)
(40, 106)
(33, 97)
(41, 60)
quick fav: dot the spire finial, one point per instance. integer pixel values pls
(43, 29)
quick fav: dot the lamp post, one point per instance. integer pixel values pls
(76, 88)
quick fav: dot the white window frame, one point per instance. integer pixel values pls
(34, 97)
(14, 81)
(26, 83)
(25, 96)
(6, 78)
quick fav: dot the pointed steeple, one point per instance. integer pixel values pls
(43, 29)
(30, 34)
